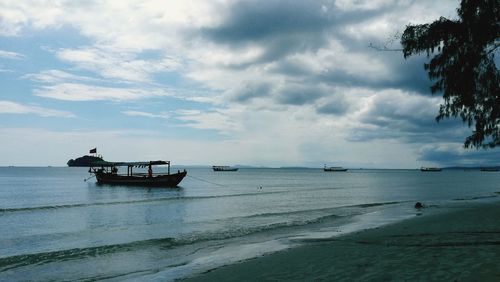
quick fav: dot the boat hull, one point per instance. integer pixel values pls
(224, 168)
(490, 169)
(165, 180)
(430, 169)
(335, 169)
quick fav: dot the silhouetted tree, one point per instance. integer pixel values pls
(463, 66)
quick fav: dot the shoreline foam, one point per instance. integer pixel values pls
(457, 245)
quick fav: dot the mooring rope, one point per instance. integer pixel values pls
(85, 180)
(201, 179)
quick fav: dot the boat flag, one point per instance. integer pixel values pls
(93, 151)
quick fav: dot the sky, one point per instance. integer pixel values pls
(261, 83)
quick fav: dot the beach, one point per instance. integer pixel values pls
(460, 243)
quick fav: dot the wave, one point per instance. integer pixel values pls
(13, 262)
(232, 231)
(325, 210)
(164, 199)
(71, 254)
(378, 204)
(477, 197)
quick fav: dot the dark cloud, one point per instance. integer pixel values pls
(456, 156)
(293, 69)
(404, 74)
(299, 95)
(336, 106)
(250, 91)
(250, 21)
(409, 118)
(390, 108)
(440, 132)
(282, 27)
(286, 27)
(281, 46)
(408, 74)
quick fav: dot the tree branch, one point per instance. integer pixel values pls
(495, 46)
(384, 48)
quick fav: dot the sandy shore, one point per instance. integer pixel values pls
(460, 245)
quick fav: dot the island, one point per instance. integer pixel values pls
(84, 161)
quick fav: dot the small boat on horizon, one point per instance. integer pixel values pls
(430, 169)
(107, 173)
(334, 168)
(224, 168)
(489, 169)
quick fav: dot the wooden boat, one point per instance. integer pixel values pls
(335, 169)
(107, 173)
(430, 169)
(224, 168)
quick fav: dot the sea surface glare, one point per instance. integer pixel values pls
(56, 226)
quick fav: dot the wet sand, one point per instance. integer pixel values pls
(461, 244)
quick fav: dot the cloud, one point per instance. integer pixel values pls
(56, 76)
(145, 114)
(122, 66)
(83, 92)
(8, 107)
(219, 120)
(11, 55)
(347, 5)
(309, 41)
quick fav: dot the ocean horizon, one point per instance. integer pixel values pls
(209, 166)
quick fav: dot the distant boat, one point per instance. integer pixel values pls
(430, 169)
(107, 173)
(334, 168)
(224, 168)
(490, 169)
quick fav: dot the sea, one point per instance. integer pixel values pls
(57, 224)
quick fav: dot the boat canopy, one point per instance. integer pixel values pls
(129, 164)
